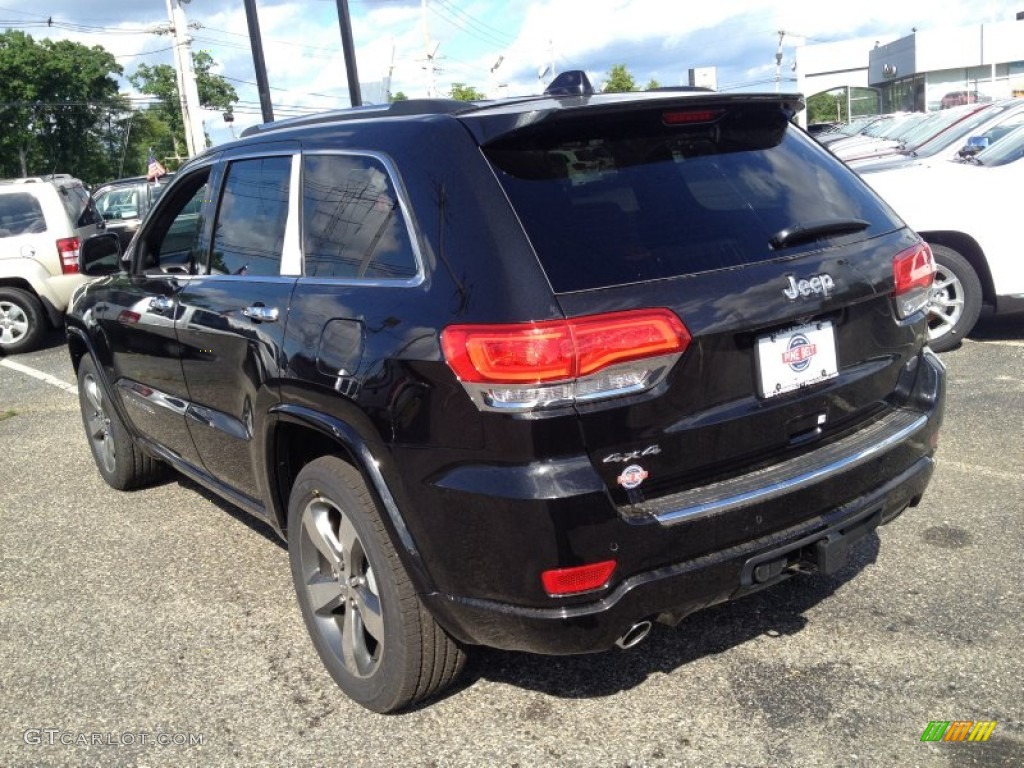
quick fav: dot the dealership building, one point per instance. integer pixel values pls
(922, 72)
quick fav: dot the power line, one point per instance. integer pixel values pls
(471, 26)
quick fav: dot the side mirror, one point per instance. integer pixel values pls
(100, 255)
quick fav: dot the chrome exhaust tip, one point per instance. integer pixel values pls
(634, 635)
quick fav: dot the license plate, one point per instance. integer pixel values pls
(796, 357)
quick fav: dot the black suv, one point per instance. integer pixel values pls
(530, 374)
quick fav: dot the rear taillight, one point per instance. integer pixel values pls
(67, 249)
(531, 365)
(914, 271)
(580, 578)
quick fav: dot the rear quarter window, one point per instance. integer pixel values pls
(20, 214)
(619, 200)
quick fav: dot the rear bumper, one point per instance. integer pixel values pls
(860, 492)
(669, 593)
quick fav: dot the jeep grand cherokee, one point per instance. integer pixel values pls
(530, 374)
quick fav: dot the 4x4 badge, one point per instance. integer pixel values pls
(821, 285)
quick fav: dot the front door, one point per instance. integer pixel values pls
(138, 318)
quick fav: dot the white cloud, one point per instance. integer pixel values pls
(654, 38)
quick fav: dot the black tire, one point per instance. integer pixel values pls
(120, 462)
(955, 303)
(22, 321)
(379, 643)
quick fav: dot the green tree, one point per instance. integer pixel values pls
(619, 80)
(463, 92)
(827, 107)
(160, 81)
(399, 97)
(652, 84)
(59, 108)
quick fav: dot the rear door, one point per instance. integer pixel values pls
(231, 324)
(775, 257)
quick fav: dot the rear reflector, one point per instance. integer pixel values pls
(914, 272)
(527, 365)
(67, 249)
(581, 578)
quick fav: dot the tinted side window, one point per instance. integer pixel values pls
(249, 234)
(353, 225)
(20, 214)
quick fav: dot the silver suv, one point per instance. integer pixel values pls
(43, 221)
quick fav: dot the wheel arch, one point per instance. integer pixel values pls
(967, 247)
(297, 435)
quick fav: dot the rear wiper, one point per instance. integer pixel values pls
(812, 230)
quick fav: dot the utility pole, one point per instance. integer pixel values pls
(348, 49)
(258, 62)
(195, 136)
(431, 49)
(778, 60)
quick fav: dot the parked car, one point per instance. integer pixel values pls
(123, 203)
(531, 374)
(968, 213)
(955, 129)
(880, 138)
(854, 127)
(43, 220)
(958, 98)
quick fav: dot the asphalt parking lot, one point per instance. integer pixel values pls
(159, 628)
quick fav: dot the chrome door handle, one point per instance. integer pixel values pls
(161, 303)
(261, 314)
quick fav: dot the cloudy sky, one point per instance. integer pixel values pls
(655, 39)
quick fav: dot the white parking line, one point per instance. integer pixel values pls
(41, 375)
(974, 469)
(998, 342)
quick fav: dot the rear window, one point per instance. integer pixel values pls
(20, 214)
(622, 199)
(77, 204)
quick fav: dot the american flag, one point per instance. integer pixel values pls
(156, 170)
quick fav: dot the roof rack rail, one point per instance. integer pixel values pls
(404, 108)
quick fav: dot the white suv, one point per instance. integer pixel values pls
(43, 221)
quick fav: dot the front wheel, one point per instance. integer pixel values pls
(955, 302)
(22, 322)
(120, 462)
(381, 646)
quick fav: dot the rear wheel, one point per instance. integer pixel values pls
(22, 321)
(370, 629)
(122, 465)
(955, 302)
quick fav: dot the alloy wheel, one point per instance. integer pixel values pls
(98, 424)
(13, 323)
(946, 303)
(341, 588)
